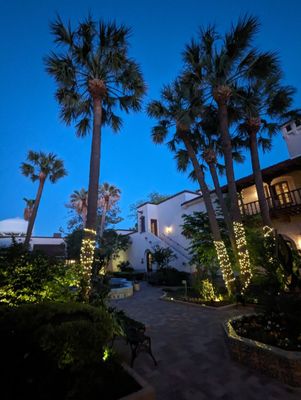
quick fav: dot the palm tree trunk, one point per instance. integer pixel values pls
(219, 245)
(103, 218)
(239, 230)
(34, 212)
(205, 191)
(223, 205)
(227, 150)
(94, 165)
(264, 208)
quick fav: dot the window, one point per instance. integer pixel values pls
(288, 128)
(298, 123)
(154, 227)
(266, 191)
(282, 193)
(142, 223)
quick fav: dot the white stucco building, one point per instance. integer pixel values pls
(160, 224)
(17, 227)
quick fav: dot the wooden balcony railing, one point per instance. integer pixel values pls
(289, 202)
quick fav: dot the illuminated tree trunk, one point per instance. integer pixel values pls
(222, 95)
(220, 248)
(97, 90)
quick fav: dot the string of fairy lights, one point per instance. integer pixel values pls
(243, 255)
(225, 264)
(87, 254)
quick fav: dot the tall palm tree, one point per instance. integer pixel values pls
(94, 75)
(177, 111)
(219, 64)
(208, 146)
(41, 166)
(263, 105)
(79, 202)
(28, 208)
(108, 196)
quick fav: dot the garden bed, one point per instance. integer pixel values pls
(284, 365)
(178, 297)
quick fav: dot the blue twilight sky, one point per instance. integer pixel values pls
(29, 113)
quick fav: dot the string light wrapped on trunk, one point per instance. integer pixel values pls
(87, 256)
(243, 255)
(225, 264)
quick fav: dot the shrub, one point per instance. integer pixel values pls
(162, 256)
(125, 266)
(131, 276)
(206, 290)
(168, 277)
(50, 350)
(27, 277)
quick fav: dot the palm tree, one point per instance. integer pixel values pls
(179, 109)
(28, 208)
(108, 196)
(41, 166)
(263, 105)
(94, 75)
(208, 148)
(79, 202)
(218, 64)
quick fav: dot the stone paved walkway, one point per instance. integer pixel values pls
(193, 360)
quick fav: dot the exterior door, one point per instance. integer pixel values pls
(154, 227)
(149, 261)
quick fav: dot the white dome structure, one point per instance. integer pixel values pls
(17, 226)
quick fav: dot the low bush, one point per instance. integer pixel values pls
(129, 275)
(57, 351)
(168, 277)
(32, 277)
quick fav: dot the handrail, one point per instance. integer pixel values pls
(162, 239)
(277, 201)
(182, 249)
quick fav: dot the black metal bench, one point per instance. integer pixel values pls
(138, 341)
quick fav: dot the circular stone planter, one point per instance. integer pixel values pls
(125, 290)
(283, 365)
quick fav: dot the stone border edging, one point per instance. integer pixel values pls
(228, 306)
(278, 363)
(147, 392)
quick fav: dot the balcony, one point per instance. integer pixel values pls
(288, 203)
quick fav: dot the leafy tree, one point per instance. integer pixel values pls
(41, 166)
(32, 277)
(109, 246)
(153, 197)
(196, 228)
(162, 256)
